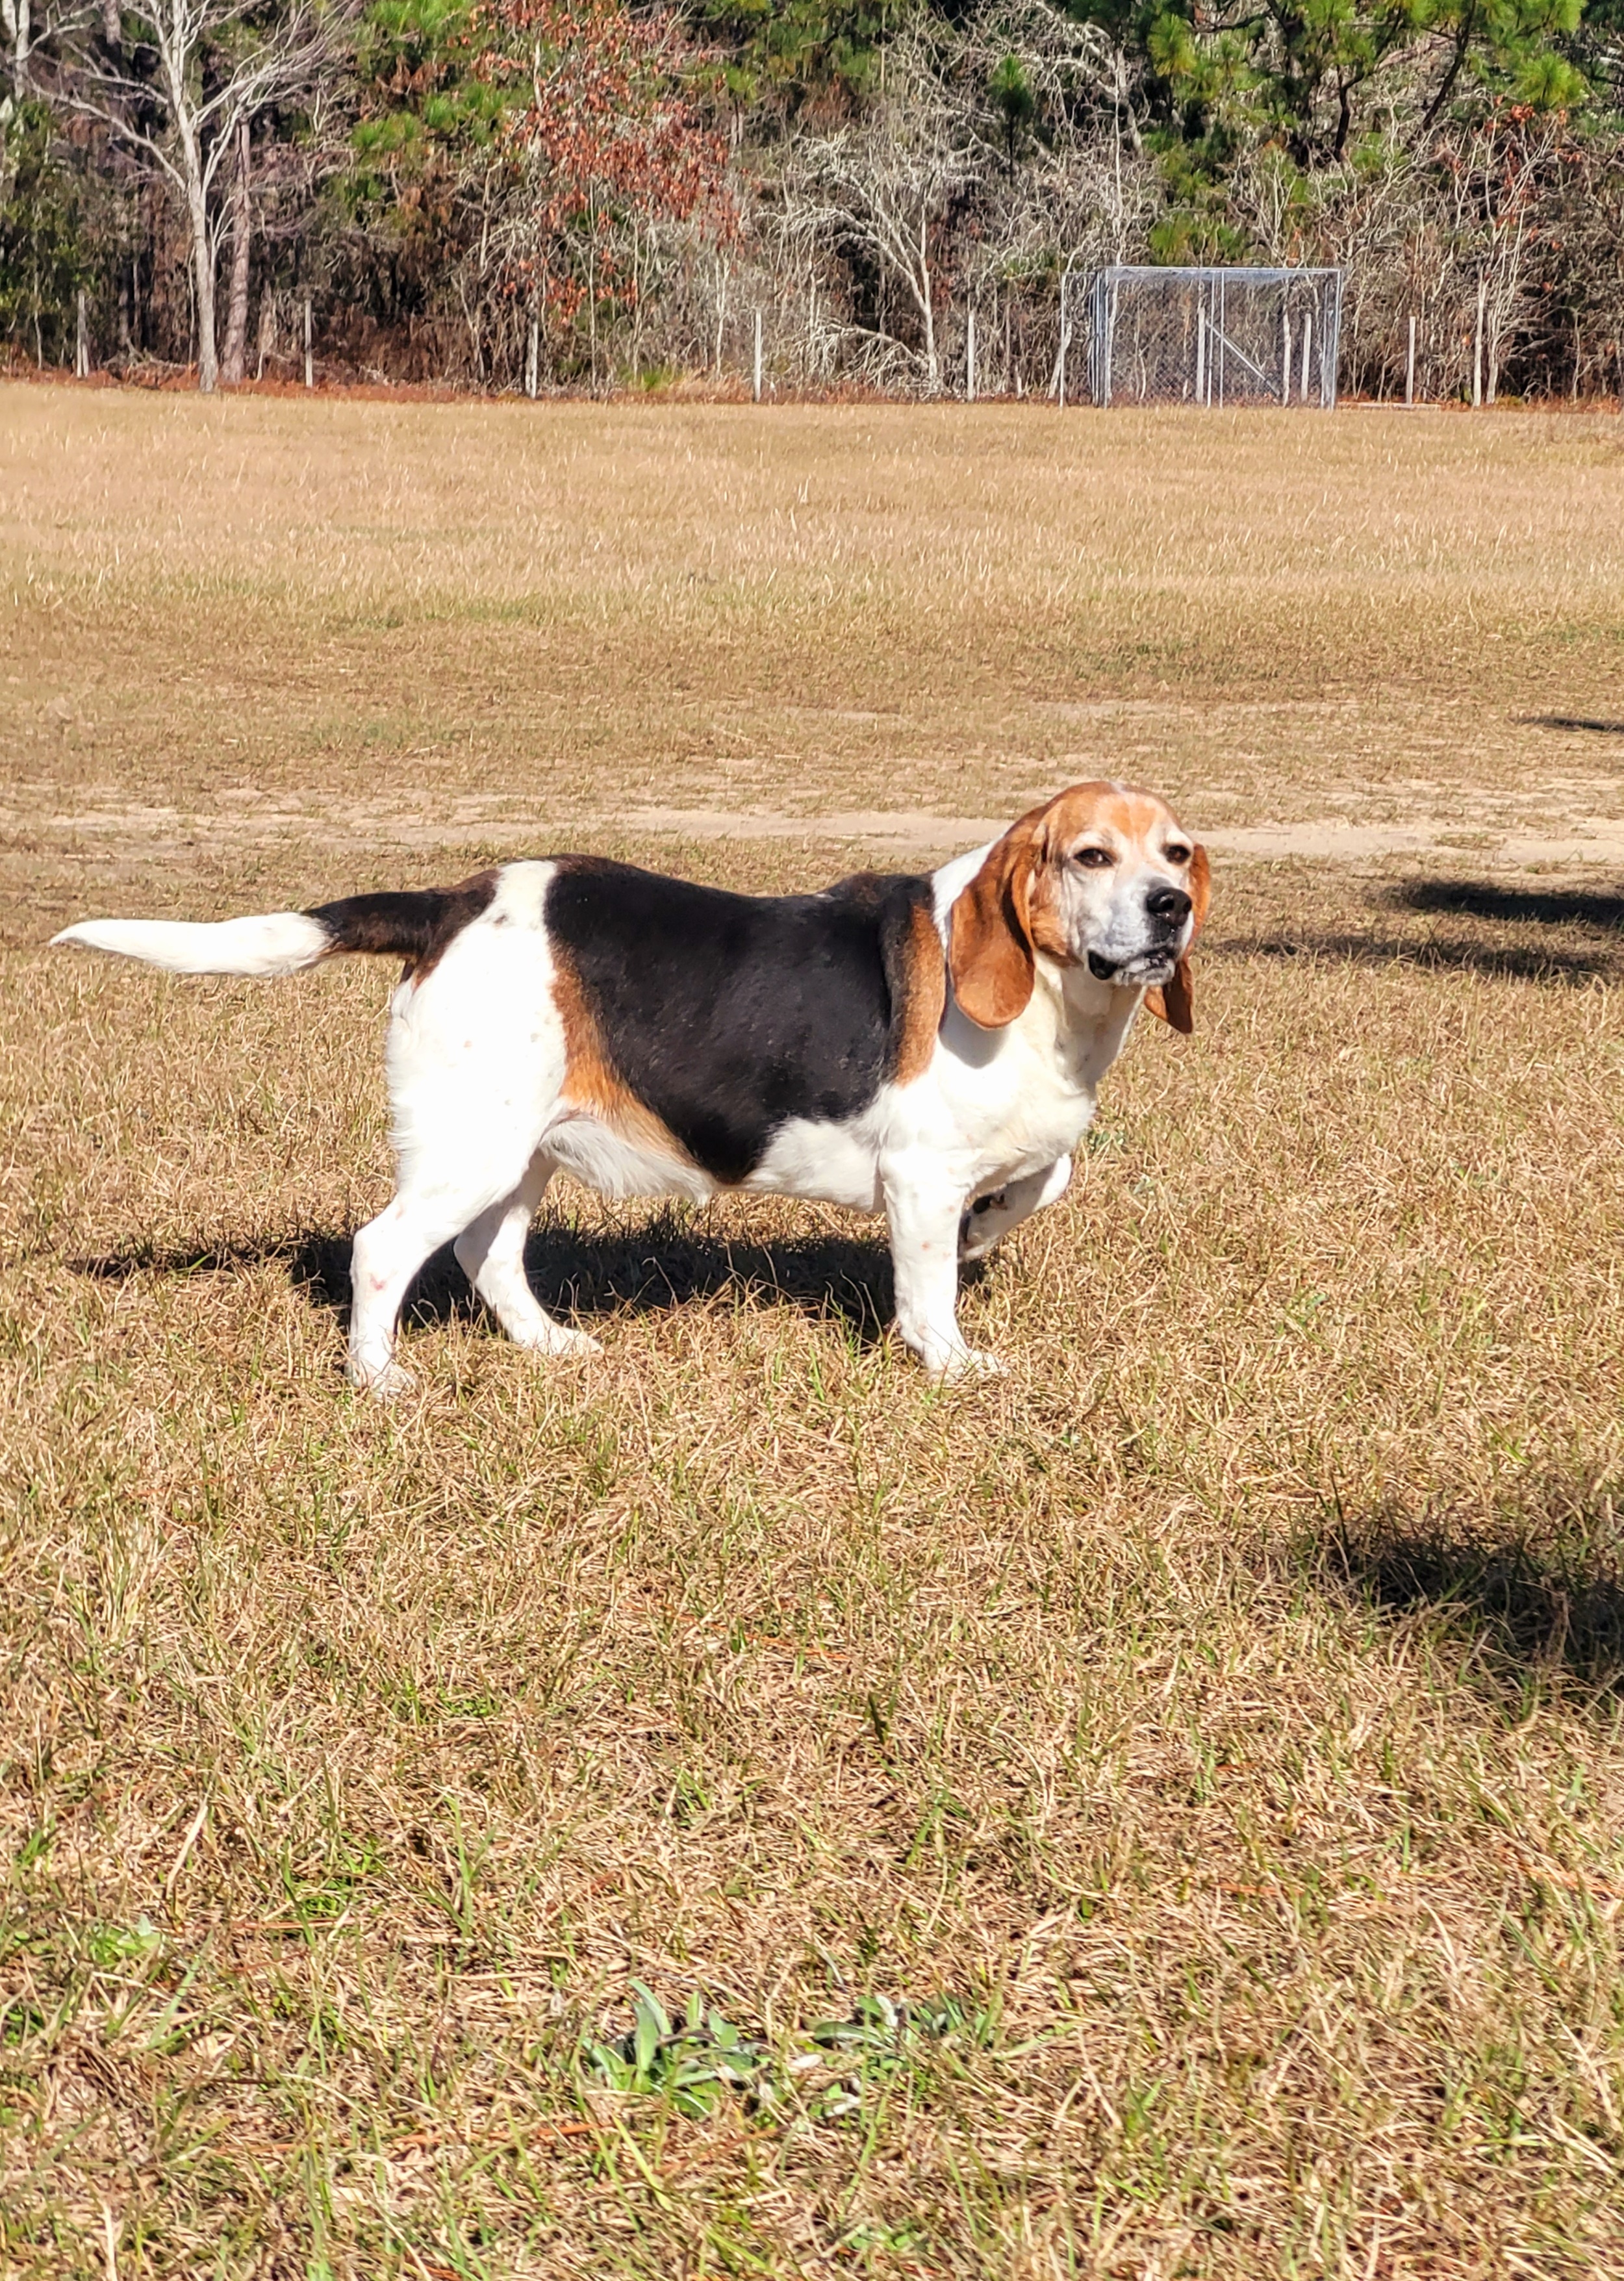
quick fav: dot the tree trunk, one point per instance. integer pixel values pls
(17, 21)
(237, 304)
(197, 212)
(929, 313)
(203, 272)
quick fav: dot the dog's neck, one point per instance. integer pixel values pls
(1076, 1023)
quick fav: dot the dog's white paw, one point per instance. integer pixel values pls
(964, 1365)
(386, 1383)
(560, 1343)
(975, 1362)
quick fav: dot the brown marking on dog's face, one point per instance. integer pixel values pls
(590, 1080)
(924, 993)
(1077, 880)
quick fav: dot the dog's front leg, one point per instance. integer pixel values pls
(924, 1217)
(991, 1217)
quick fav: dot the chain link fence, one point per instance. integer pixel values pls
(1214, 336)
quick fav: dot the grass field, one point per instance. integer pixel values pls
(1161, 1813)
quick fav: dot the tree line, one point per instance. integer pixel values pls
(591, 194)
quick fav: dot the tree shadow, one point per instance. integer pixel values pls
(1445, 954)
(1507, 933)
(664, 1263)
(1529, 1601)
(1483, 899)
(1572, 722)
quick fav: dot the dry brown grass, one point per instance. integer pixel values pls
(361, 626)
(1223, 1711)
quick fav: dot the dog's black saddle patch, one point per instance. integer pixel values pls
(730, 1014)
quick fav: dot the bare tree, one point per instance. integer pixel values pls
(1002, 155)
(236, 297)
(24, 29)
(203, 113)
(882, 188)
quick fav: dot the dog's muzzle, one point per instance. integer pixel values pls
(1167, 909)
(1147, 972)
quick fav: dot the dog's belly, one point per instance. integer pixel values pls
(615, 1164)
(825, 1162)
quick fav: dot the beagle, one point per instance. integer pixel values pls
(930, 1046)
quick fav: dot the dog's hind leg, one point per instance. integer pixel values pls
(476, 1057)
(491, 1253)
(464, 1142)
(388, 1253)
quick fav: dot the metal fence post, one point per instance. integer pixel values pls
(1285, 353)
(1477, 343)
(1332, 349)
(1060, 362)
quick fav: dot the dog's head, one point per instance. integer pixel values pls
(1102, 876)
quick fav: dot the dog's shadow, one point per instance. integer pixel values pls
(664, 1263)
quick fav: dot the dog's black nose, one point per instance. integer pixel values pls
(1169, 903)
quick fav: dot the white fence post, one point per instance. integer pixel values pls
(81, 344)
(969, 358)
(1477, 343)
(1409, 366)
(755, 390)
(310, 370)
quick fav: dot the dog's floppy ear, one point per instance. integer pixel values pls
(1175, 1002)
(989, 931)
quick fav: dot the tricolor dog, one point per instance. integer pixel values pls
(926, 1046)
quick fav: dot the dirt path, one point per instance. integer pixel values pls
(1594, 839)
(1503, 832)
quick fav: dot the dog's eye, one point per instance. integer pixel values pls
(1096, 859)
(1177, 855)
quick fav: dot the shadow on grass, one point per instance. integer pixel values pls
(1527, 1607)
(1482, 899)
(665, 1262)
(1571, 721)
(1515, 924)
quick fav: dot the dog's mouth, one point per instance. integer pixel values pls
(1148, 971)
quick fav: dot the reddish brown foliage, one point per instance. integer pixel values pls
(609, 139)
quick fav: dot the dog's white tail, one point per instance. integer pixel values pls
(415, 924)
(281, 942)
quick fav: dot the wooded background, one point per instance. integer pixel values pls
(542, 194)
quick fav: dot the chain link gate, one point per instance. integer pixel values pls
(1214, 336)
